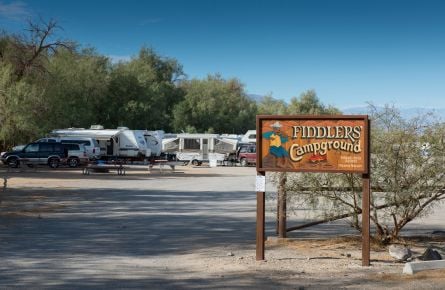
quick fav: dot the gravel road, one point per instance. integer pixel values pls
(189, 229)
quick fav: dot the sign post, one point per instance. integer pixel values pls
(260, 215)
(307, 143)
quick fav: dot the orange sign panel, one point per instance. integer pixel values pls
(313, 144)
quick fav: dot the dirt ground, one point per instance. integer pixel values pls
(189, 229)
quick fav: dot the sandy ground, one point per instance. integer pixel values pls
(189, 229)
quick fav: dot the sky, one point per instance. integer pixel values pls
(350, 52)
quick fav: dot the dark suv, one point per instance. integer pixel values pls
(246, 154)
(48, 153)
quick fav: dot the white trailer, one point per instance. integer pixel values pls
(249, 137)
(153, 141)
(114, 143)
(198, 148)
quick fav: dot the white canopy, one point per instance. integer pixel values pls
(104, 134)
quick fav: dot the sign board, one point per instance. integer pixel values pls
(307, 143)
(312, 143)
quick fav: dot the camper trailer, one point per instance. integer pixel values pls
(120, 143)
(153, 141)
(197, 148)
(249, 137)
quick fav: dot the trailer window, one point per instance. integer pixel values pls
(192, 144)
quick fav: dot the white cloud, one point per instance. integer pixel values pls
(16, 10)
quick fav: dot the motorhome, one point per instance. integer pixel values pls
(120, 143)
(198, 148)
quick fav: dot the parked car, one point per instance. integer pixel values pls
(76, 154)
(91, 145)
(246, 154)
(50, 153)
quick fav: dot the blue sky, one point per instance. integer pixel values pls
(350, 52)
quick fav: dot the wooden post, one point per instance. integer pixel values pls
(277, 224)
(365, 221)
(282, 212)
(260, 221)
(366, 201)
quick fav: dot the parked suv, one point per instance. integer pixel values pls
(50, 153)
(246, 154)
(76, 154)
(91, 145)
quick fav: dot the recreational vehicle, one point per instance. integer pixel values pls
(249, 137)
(114, 143)
(197, 148)
(153, 141)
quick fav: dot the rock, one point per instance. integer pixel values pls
(414, 267)
(400, 253)
(230, 254)
(430, 255)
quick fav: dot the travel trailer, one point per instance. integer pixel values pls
(197, 148)
(249, 137)
(120, 143)
(153, 141)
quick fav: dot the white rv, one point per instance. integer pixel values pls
(198, 148)
(249, 137)
(114, 143)
(153, 141)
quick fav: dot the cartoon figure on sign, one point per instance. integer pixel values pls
(277, 138)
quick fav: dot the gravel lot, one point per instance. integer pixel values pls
(189, 229)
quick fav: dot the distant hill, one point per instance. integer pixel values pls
(255, 97)
(405, 112)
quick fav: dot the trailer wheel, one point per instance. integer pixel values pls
(195, 162)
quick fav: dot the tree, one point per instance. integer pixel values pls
(214, 105)
(271, 106)
(30, 53)
(143, 91)
(308, 103)
(407, 177)
(24, 63)
(75, 89)
(19, 103)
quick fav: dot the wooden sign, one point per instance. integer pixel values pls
(303, 143)
(312, 143)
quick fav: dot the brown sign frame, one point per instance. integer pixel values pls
(366, 185)
(297, 118)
